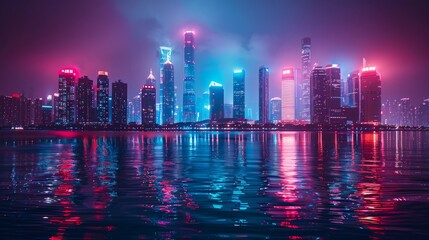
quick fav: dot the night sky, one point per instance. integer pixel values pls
(122, 37)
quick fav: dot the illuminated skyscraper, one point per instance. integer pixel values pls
(319, 89)
(352, 90)
(165, 55)
(264, 98)
(333, 77)
(85, 96)
(103, 97)
(36, 111)
(238, 93)
(148, 102)
(306, 71)
(216, 101)
(189, 83)
(56, 107)
(119, 102)
(275, 109)
(370, 95)
(168, 98)
(67, 96)
(288, 94)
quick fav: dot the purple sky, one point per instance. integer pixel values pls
(122, 37)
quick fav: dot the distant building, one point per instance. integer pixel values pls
(216, 101)
(405, 111)
(352, 90)
(306, 71)
(46, 115)
(164, 56)
(67, 96)
(85, 96)
(56, 107)
(228, 110)
(103, 97)
(288, 94)
(148, 103)
(189, 112)
(168, 105)
(239, 93)
(370, 95)
(264, 96)
(119, 102)
(319, 95)
(276, 109)
(36, 111)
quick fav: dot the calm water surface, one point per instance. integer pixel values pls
(279, 185)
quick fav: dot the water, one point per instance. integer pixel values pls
(279, 185)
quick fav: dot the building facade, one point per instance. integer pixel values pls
(67, 96)
(216, 101)
(370, 96)
(319, 95)
(119, 102)
(276, 109)
(305, 75)
(164, 56)
(189, 82)
(288, 94)
(148, 101)
(239, 105)
(85, 96)
(168, 107)
(103, 97)
(264, 98)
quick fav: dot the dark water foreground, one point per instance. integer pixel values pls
(207, 185)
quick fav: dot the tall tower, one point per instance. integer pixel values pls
(319, 95)
(264, 98)
(67, 96)
(103, 97)
(238, 93)
(288, 94)
(352, 86)
(306, 71)
(333, 76)
(216, 101)
(189, 82)
(169, 97)
(370, 95)
(85, 95)
(148, 101)
(164, 56)
(119, 102)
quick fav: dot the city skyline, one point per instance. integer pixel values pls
(246, 43)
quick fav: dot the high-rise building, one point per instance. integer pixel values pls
(56, 107)
(36, 111)
(288, 94)
(264, 97)
(306, 71)
(103, 97)
(85, 96)
(164, 56)
(228, 110)
(46, 114)
(168, 105)
(238, 93)
(119, 102)
(276, 109)
(189, 82)
(319, 90)
(405, 111)
(67, 96)
(370, 95)
(333, 77)
(148, 101)
(352, 90)
(216, 101)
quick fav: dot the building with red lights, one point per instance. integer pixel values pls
(370, 96)
(67, 96)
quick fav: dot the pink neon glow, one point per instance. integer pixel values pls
(366, 69)
(287, 71)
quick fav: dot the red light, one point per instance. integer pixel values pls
(287, 71)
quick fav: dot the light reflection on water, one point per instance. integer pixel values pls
(296, 185)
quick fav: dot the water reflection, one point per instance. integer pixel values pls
(296, 185)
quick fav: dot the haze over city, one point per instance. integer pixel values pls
(123, 38)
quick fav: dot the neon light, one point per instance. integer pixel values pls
(286, 72)
(186, 32)
(334, 65)
(215, 84)
(366, 69)
(103, 73)
(49, 97)
(238, 71)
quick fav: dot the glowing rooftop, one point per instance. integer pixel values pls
(366, 69)
(215, 84)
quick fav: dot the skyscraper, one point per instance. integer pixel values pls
(275, 109)
(56, 107)
(238, 93)
(370, 95)
(264, 98)
(319, 96)
(103, 97)
(216, 101)
(306, 71)
(189, 82)
(288, 94)
(165, 55)
(85, 96)
(119, 102)
(148, 102)
(67, 96)
(352, 90)
(333, 77)
(168, 98)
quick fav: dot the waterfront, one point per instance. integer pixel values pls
(288, 185)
